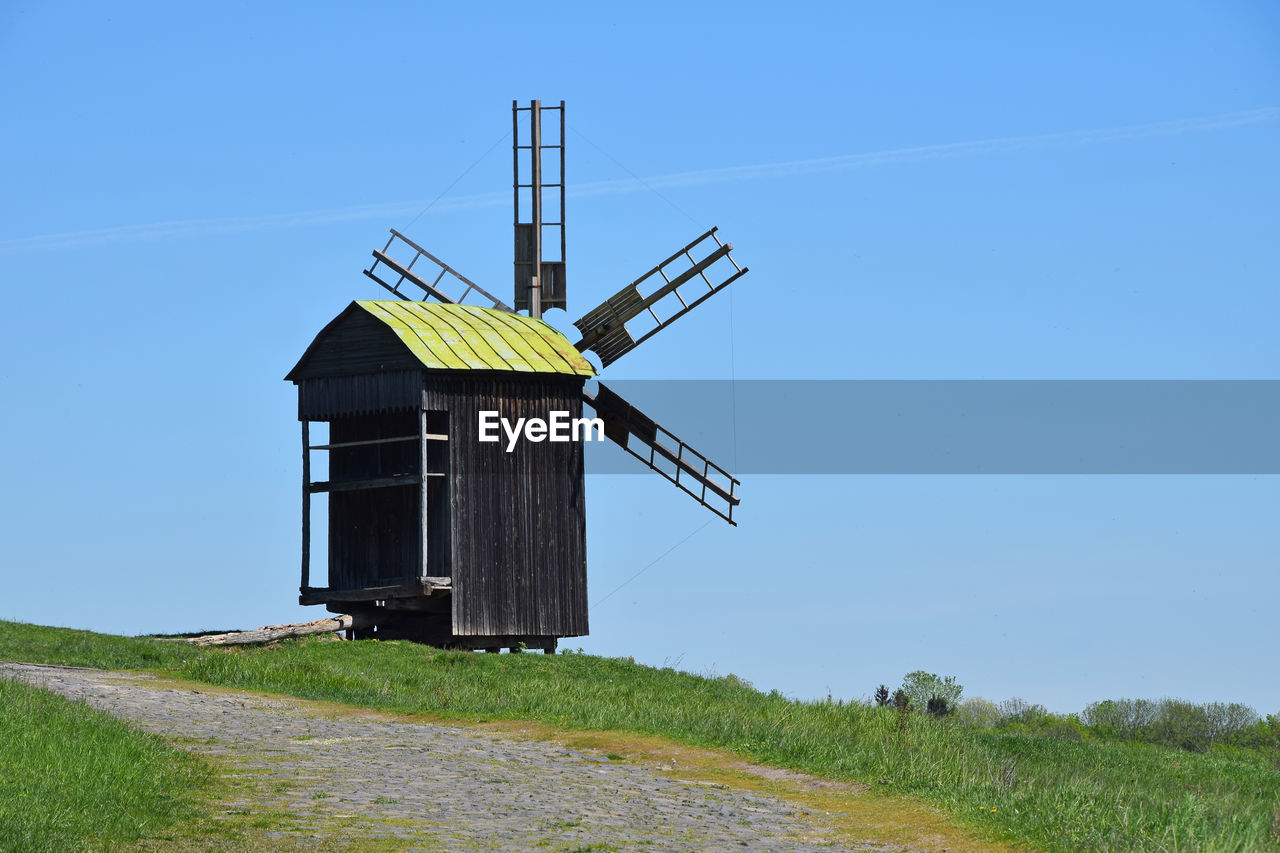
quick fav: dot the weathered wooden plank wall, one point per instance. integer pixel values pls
(354, 343)
(323, 398)
(519, 518)
(509, 528)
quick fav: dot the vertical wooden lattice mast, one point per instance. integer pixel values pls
(539, 281)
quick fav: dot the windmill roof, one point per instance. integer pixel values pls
(468, 337)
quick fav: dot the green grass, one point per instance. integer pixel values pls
(72, 778)
(1053, 793)
(1060, 794)
(39, 644)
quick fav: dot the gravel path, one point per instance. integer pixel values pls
(427, 786)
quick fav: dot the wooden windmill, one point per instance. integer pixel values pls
(434, 534)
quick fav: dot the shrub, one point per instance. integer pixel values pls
(978, 713)
(1177, 724)
(1263, 735)
(1181, 725)
(1228, 719)
(1066, 728)
(1018, 711)
(921, 686)
(1124, 719)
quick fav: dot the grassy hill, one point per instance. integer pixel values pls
(1048, 792)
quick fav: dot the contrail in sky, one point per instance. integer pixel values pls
(730, 174)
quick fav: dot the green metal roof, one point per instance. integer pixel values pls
(467, 337)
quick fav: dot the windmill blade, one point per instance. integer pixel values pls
(385, 265)
(655, 446)
(604, 330)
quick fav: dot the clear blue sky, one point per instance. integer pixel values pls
(921, 191)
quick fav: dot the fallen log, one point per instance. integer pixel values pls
(271, 633)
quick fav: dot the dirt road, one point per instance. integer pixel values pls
(360, 779)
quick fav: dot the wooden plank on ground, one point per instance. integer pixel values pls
(272, 633)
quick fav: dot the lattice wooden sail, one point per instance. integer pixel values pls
(695, 267)
(699, 477)
(390, 267)
(655, 300)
